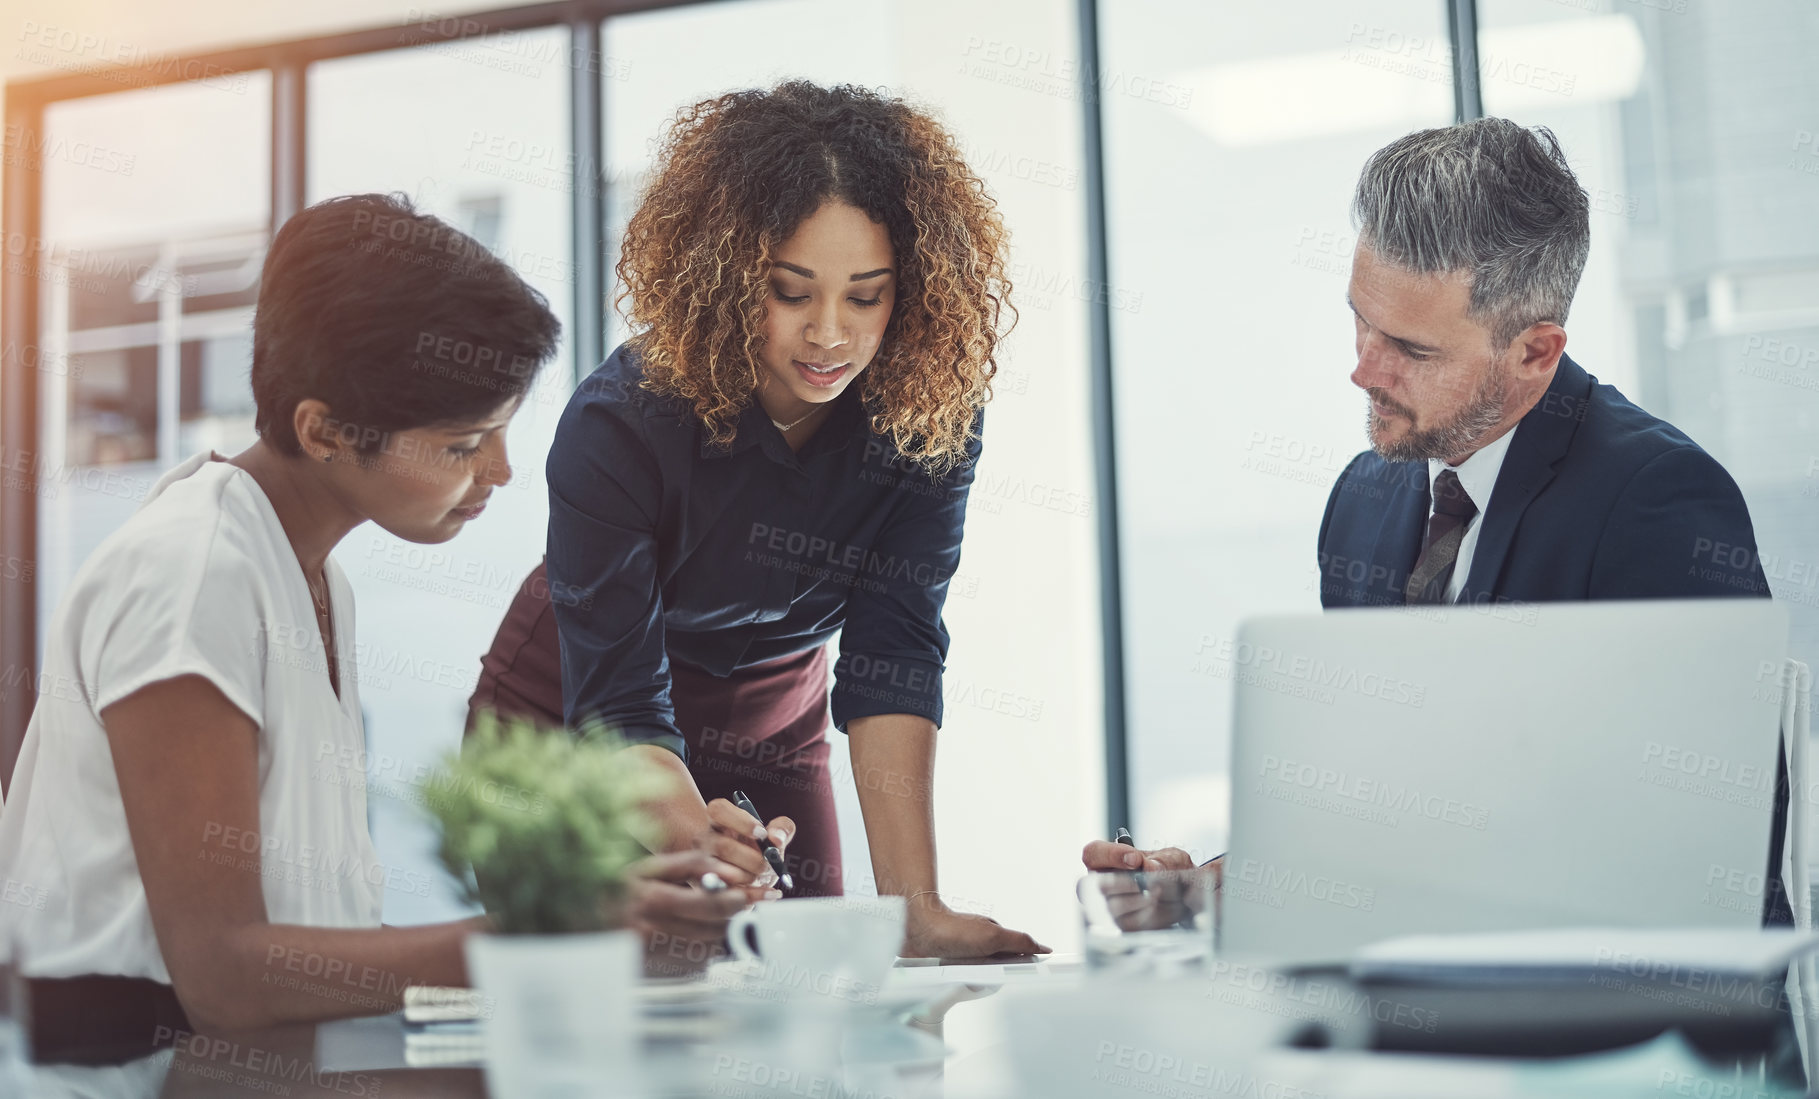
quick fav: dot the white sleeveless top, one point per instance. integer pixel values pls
(200, 581)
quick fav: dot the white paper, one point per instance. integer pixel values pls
(1636, 952)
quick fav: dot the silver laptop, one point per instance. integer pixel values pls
(1450, 769)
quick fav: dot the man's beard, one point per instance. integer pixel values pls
(1456, 436)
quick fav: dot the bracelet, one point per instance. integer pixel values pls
(919, 893)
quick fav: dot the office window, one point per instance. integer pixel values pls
(475, 132)
(1692, 130)
(1019, 776)
(154, 217)
(1233, 137)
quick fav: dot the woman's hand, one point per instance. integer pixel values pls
(684, 925)
(736, 838)
(934, 930)
(894, 767)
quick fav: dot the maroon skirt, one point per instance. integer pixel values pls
(762, 729)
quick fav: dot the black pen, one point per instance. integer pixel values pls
(771, 854)
(1124, 837)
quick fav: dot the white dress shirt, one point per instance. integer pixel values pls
(1478, 477)
(200, 581)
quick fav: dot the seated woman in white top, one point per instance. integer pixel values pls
(168, 811)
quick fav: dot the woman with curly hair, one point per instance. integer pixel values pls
(780, 453)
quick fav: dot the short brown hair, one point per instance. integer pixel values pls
(394, 319)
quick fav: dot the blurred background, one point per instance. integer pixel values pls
(1171, 410)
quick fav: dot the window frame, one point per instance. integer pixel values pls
(288, 62)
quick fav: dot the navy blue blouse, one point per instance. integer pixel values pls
(663, 547)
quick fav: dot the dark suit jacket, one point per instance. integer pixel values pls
(1596, 499)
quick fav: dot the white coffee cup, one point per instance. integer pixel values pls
(834, 947)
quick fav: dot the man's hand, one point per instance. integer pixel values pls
(1169, 896)
(684, 926)
(936, 931)
(1106, 855)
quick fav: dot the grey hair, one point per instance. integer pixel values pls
(1489, 199)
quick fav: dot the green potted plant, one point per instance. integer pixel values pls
(540, 825)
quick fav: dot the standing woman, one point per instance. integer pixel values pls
(781, 453)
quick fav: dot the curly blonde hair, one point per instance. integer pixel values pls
(736, 176)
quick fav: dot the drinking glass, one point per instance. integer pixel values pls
(1147, 921)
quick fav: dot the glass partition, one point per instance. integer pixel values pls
(475, 132)
(1228, 187)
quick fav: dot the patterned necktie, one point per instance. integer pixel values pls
(1453, 511)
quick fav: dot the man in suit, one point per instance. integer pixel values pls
(1499, 470)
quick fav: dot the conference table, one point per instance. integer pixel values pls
(1047, 1028)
